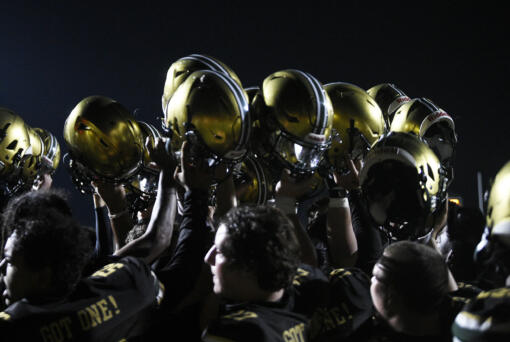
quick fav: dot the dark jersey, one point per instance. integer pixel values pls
(337, 304)
(109, 305)
(376, 329)
(485, 318)
(258, 322)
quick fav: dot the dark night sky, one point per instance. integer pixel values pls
(54, 53)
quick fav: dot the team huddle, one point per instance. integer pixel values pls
(288, 211)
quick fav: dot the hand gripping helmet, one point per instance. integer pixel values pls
(142, 190)
(14, 147)
(185, 66)
(104, 142)
(436, 127)
(211, 110)
(403, 186)
(295, 118)
(389, 98)
(357, 124)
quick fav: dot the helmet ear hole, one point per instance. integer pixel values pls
(431, 173)
(12, 145)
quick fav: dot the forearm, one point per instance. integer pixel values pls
(225, 197)
(195, 237)
(160, 229)
(342, 243)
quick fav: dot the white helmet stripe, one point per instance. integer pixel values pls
(320, 97)
(243, 107)
(211, 63)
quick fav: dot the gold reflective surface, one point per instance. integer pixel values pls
(104, 136)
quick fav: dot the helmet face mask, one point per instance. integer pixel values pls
(298, 156)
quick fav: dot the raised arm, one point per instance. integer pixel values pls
(288, 191)
(159, 232)
(342, 243)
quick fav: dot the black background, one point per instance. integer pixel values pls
(54, 53)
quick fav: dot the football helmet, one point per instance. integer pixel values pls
(389, 98)
(211, 111)
(142, 189)
(436, 127)
(498, 206)
(357, 124)
(184, 67)
(294, 121)
(14, 149)
(32, 164)
(252, 181)
(50, 159)
(104, 140)
(403, 185)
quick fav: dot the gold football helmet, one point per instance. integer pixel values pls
(252, 181)
(51, 151)
(357, 124)
(104, 141)
(389, 98)
(32, 164)
(14, 142)
(403, 185)
(185, 66)
(436, 127)
(498, 206)
(14, 149)
(142, 189)
(211, 110)
(295, 118)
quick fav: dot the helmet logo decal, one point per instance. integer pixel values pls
(397, 103)
(3, 131)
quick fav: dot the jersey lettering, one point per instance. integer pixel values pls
(295, 334)
(108, 269)
(98, 313)
(241, 315)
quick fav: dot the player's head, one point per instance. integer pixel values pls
(255, 242)
(45, 248)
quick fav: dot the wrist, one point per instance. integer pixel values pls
(338, 202)
(117, 214)
(338, 192)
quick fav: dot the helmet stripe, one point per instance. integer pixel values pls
(427, 103)
(211, 63)
(242, 105)
(320, 97)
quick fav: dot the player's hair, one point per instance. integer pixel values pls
(47, 235)
(261, 239)
(416, 272)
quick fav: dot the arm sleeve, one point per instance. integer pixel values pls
(104, 238)
(370, 242)
(182, 271)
